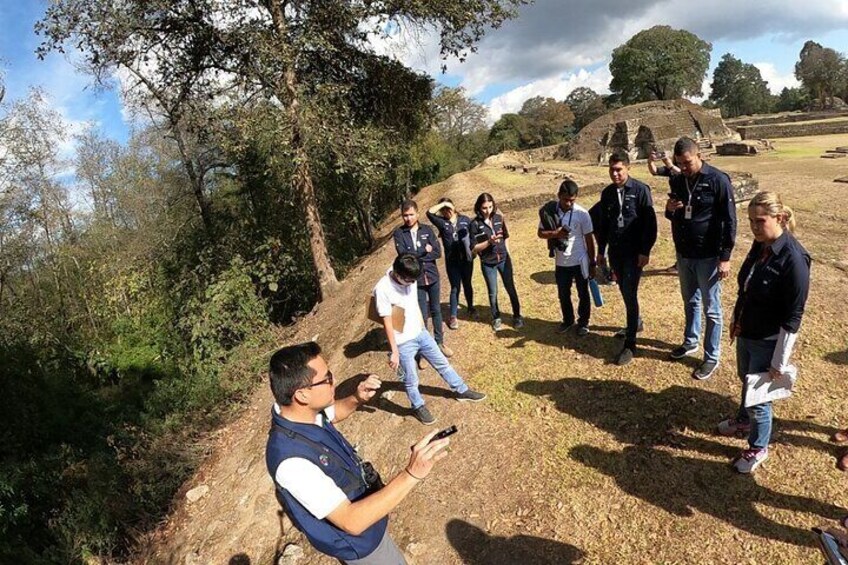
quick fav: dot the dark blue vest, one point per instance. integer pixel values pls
(330, 452)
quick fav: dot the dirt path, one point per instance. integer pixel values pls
(571, 457)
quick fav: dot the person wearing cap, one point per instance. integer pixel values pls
(420, 240)
(628, 226)
(459, 262)
(574, 256)
(702, 211)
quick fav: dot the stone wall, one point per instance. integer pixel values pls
(784, 118)
(793, 130)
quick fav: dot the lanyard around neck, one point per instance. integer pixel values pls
(620, 192)
(691, 191)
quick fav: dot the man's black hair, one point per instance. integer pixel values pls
(686, 145)
(289, 370)
(407, 204)
(406, 266)
(568, 187)
(444, 199)
(619, 156)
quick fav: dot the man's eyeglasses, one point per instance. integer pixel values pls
(329, 380)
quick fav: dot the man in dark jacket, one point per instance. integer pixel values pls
(328, 492)
(628, 228)
(420, 240)
(702, 211)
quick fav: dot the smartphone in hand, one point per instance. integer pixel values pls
(444, 433)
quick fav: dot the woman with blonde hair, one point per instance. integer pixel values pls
(774, 281)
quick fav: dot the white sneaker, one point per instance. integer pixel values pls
(750, 459)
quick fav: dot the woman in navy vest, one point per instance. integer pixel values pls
(774, 281)
(488, 236)
(459, 263)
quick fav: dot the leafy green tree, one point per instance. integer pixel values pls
(548, 121)
(586, 104)
(659, 63)
(738, 88)
(305, 57)
(792, 99)
(822, 70)
(510, 132)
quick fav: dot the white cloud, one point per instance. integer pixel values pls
(777, 81)
(558, 87)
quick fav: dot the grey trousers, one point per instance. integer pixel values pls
(387, 553)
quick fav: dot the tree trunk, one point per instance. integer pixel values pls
(302, 176)
(196, 180)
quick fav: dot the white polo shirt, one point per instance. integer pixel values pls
(578, 221)
(388, 294)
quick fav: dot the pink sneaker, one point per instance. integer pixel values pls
(750, 459)
(732, 427)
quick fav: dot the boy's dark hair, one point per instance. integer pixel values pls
(406, 265)
(619, 156)
(483, 198)
(289, 370)
(568, 187)
(686, 145)
(407, 204)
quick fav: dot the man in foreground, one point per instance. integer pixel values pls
(331, 495)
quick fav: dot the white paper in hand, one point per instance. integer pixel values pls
(762, 388)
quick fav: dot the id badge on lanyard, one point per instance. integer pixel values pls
(621, 208)
(687, 212)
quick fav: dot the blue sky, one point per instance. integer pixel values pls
(552, 48)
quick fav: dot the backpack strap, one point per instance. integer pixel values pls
(355, 481)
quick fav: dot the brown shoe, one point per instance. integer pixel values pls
(446, 351)
(840, 437)
(842, 462)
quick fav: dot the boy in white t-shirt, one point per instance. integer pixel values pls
(396, 299)
(574, 256)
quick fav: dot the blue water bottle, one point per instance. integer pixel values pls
(596, 293)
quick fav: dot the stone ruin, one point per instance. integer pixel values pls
(640, 128)
(752, 147)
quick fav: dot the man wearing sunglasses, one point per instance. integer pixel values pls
(396, 299)
(328, 492)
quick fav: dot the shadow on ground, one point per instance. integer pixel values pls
(683, 485)
(598, 344)
(381, 402)
(837, 357)
(476, 547)
(639, 417)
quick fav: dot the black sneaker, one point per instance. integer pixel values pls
(423, 415)
(470, 396)
(564, 328)
(518, 322)
(682, 351)
(624, 357)
(705, 371)
(622, 333)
